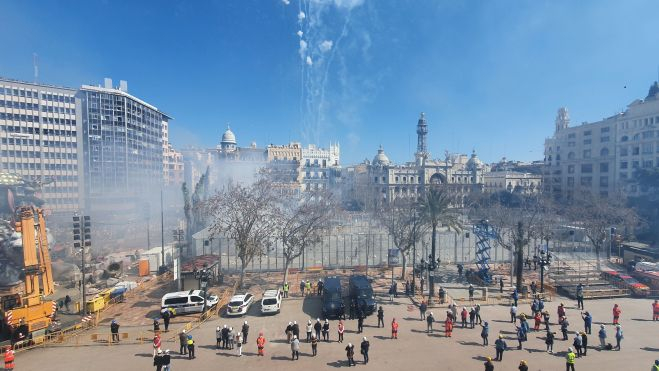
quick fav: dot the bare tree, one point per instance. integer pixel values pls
(247, 215)
(302, 223)
(596, 215)
(404, 225)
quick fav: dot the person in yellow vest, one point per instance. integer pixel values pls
(569, 360)
(308, 287)
(655, 367)
(9, 358)
(286, 287)
(190, 347)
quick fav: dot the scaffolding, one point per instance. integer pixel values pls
(484, 233)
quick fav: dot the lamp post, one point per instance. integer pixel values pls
(178, 237)
(545, 260)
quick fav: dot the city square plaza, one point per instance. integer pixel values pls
(414, 348)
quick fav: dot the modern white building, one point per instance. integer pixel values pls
(512, 181)
(601, 157)
(320, 167)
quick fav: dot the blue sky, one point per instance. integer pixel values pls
(490, 75)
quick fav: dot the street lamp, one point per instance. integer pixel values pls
(544, 261)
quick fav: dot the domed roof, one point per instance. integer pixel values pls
(381, 159)
(474, 162)
(228, 137)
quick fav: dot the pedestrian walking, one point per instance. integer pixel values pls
(396, 290)
(576, 343)
(523, 366)
(580, 296)
(616, 314)
(326, 329)
(545, 318)
(561, 311)
(407, 287)
(341, 329)
(166, 315)
(587, 322)
(515, 296)
(429, 319)
(471, 293)
(513, 314)
(619, 336)
(156, 344)
(501, 285)
(239, 343)
(602, 336)
(183, 340)
(422, 309)
(289, 332)
(472, 316)
(321, 285)
(520, 337)
(448, 325)
(157, 360)
(260, 344)
(245, 331)
(314, 345)
(286, 288)
(463, 316)
(489, 366)
(365, 346)
(549, 341)
(534, 288)
(9, 358)
(569, 360)
(317, 327)
(477, 308)
(190, 347)
(454, 312)
(655, 310)
(422, 283)
(114, 330)
(394, 329)
(380, 317)
(485, 333)
(309, 331)
(296, 329)
(67, 303)
(564, 327)
(391, 293)
(584, 343)
(302, 286)
(218, 337)
(166, 361)
(295, 348)
(360, 322)
(350, 353)
(500, 346)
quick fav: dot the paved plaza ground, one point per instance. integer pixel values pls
(414, 348)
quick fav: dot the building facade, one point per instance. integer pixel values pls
(320, 167)
(601, 157)
(122, 144)
(512, 181)
(39, 140)
(172, 166)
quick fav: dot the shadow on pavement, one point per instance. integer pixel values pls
(470, 343)
(150, 355)
(480, 358)
(312, 306)
(338, 364)
(280, 358)
(650, 349)
(642, 320)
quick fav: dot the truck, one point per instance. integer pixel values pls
(361, 294)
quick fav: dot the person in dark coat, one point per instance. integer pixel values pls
(156, 325)
(523, 366)
(245, 331)
(183, 338)
(326, 329)
(317, 327)
(350, 353)
(360, 323)
(166, 361)
(166, 315)
(364, 348)
(158, 360)
(489, 366)
(114, 329)
(296, 329)
(549, 340)
(500, 346)
(584, 343)
(380, 317)
(225, 337)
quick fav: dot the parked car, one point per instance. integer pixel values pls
(239, 304)
(333, 305)
(271, 301)
(184, 302)
(361, 293)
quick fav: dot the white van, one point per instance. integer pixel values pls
(271, 302)
(188, 301)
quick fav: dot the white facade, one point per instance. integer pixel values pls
(319, 166)
(512, 181)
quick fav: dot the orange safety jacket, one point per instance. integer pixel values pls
(260, 342)
(9, 359)
(655, 308)
(394, 327)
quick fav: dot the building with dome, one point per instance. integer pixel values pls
(459, 173)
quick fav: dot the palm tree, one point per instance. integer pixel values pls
(436, 211)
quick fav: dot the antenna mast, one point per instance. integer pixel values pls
(35, 63)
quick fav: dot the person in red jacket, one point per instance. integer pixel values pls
(538, 321)
(260, 344)
(655, 310)
(448, 326)
(9, 358)
(616, 314)
(394, 329)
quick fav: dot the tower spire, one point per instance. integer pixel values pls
(422, 144)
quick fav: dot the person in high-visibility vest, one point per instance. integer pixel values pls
(260, 344)
(286, 289)
(9, 358)
(394, 329)
(569, 360)
(655, 310)
(190, 347)
(655, 367)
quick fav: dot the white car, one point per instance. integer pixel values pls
(184, 302)
(239, 304)
(271, 302)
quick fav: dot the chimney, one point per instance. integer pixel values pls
(123, 86)
(107, 83)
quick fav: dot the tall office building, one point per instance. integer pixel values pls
(123, 147)
(602, 157)
(39, 136)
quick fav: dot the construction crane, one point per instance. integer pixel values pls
(484, 233)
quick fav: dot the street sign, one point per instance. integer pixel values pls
(394, 259)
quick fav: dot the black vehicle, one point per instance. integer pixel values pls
(333, 306)
(361, 293)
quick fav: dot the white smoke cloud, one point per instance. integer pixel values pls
(301, 16)
(286, 2)
(299, 33)
(303, 48)
(309, 61)
(326, 46)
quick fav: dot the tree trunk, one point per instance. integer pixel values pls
(243, 266)
(431, 280)
(597, 254)
(402, 275)
(287, 263)
(519, 256)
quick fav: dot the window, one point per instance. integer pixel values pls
(604, 152)
(571, 144)
(586, 181)
(624, 151)
(604, 181)
(635, 164)
(571, 136)
(586, 154)
(647, 164)
(647, 148)
(624, 138)
(604, 130)
(586, 168)
(570, 181)
(623, 165)
(623, 175)
(587, 133)
(635, 151)
(648, 134)
(570, 156)
(604, 139)
(570, 169)
(587, 141)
